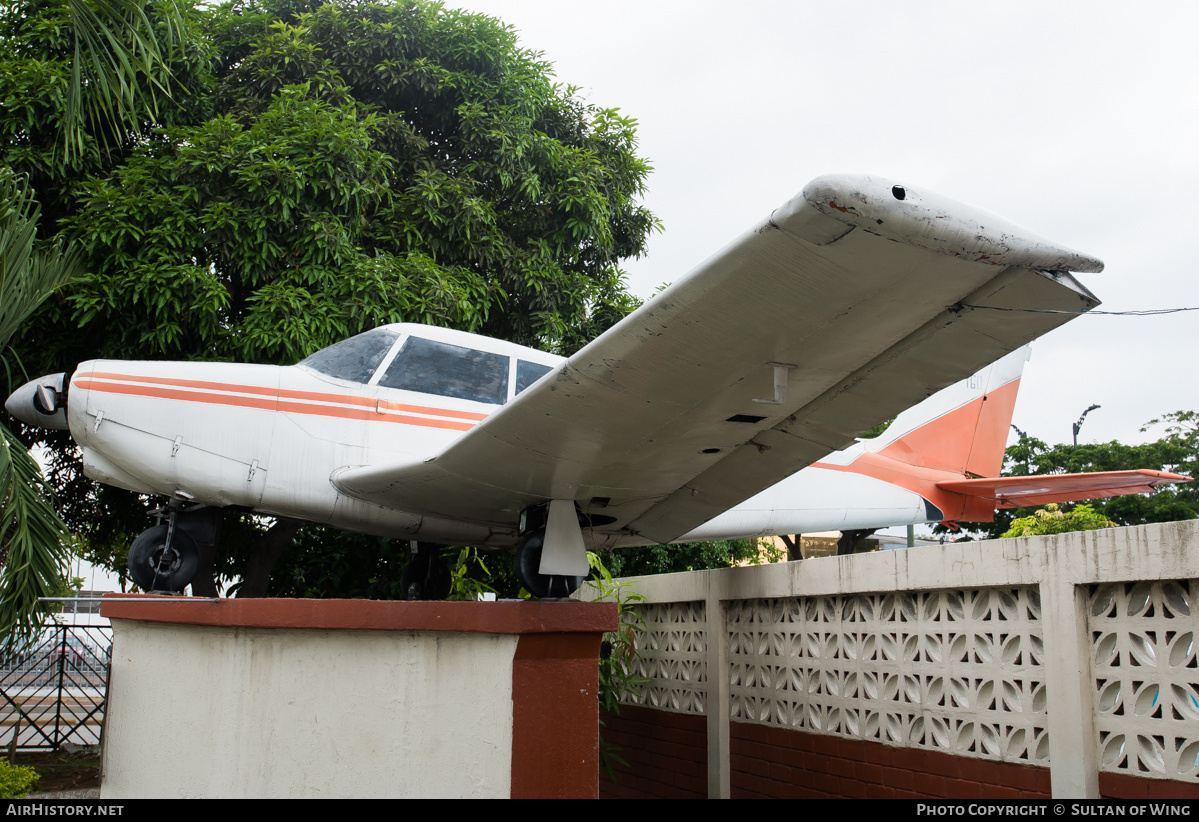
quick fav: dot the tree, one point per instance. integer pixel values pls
(117, 67)
(692, 556)
(114, 52)
(324, 169)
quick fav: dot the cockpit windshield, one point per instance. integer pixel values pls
(449, 371)
(354, 359)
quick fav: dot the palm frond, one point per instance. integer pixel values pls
(32, 541)
(33, 553)
(119, 62)
(27, 277)
(18, 226)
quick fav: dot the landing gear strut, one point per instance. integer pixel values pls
(165, 557)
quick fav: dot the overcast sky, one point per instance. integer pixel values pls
(1078, 121)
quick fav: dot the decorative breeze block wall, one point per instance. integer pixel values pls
(956, 671)
(671, 658)
(1146, 678)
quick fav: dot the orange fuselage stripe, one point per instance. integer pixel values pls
(290, 394)
(274, 403)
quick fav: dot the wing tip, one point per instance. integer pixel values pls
(922, 218)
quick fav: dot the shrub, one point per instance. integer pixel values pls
(15, 780)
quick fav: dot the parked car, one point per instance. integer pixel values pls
(76, 653)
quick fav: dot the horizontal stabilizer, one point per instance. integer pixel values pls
(1024, 492)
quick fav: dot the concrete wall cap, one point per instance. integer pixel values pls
(513, 617)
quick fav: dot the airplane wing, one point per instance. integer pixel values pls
(1023, 492)
(853, 301)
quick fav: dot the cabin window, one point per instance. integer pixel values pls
(354, 359)
(528, 373)
(449, 371)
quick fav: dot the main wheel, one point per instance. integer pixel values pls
(426, 577)
(155, 567)
(542, 586)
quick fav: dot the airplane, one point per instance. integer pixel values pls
(853, 301)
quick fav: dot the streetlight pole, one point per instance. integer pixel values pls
(1078, 425)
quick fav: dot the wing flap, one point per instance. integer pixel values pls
(1024, 492)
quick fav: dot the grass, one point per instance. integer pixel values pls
(63, 770)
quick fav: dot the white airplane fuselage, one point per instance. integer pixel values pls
(269, 439)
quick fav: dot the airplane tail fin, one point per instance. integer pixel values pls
(963, 428)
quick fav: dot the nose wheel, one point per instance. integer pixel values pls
(163, 558)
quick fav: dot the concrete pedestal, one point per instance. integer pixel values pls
(352, 698)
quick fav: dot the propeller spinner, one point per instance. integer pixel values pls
(40, 402)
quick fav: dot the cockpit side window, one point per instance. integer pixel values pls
(449, 371)
(354, 359)
(528, 373)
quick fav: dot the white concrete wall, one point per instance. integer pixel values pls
(255, 712)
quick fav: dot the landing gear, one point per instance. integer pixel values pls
(426, 576)
(542, 586)
(166, 557)
(163, 558)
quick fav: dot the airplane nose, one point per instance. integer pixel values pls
(40, 402)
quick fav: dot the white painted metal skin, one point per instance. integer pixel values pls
(822, 499)
(850, 303)
(267, 437)
(638, 426)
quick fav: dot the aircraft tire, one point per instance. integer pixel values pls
(542, 586)
(426, 577)
(146, 565)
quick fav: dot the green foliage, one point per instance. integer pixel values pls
(351, 165)
(467, 575)
(1052, 520)
(314, 171)
(325, 563)
(33, 554)
(616, 675)
(118, 67)
(692, 556)
(877, 430)
(16, 780)
(29, 272)
(32, 543)
(620, 654)
(83, 83)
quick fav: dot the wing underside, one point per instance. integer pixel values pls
(845, 307)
